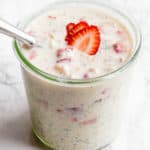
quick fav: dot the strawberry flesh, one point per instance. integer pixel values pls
(74, 119)
(83, 37)
(60, 52)
(78, 27)
(119, 47)
(86, 40)
(70, 26)
(74, 28)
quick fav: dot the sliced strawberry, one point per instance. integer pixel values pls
(60, 52)
(80, 26)
(119, 47)
(86, 40)
(70, 27)
(86, 76)
(74, 28)
(74, 119)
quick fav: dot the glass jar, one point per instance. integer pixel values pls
(71, 114)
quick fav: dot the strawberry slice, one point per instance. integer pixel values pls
(86, 39)
(74, 28)
(70, 27)
(80, 26)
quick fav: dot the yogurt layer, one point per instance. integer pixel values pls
(54, 56)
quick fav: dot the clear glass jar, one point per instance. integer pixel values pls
(100, 102)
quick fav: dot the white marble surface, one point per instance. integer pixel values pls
(15, 130)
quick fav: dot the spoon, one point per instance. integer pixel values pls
(12, 31)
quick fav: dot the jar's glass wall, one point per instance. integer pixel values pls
(78, 114)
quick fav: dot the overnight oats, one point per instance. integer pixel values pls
(77, 75)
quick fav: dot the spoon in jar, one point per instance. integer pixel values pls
(12, 31)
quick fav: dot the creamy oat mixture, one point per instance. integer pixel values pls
(77, 43)
(54, 56)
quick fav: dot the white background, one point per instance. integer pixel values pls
(15, 130)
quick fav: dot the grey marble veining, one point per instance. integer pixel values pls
(15, 128)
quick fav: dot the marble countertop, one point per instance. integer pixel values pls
(15, 130)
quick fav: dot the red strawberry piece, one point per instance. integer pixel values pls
(63, 60)
(86, 76)
(78, 27)
(89, 121)
(70, 26)
(119, 47)
(86, 40)
(60, 52)
(74, 119)
(73, 29)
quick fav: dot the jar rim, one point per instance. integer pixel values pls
(25, 63)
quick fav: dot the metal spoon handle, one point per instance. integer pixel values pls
(12, 31)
